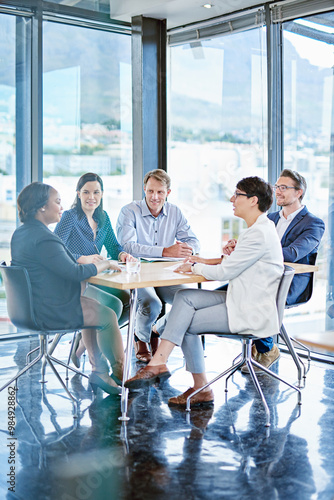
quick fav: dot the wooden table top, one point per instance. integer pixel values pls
(302, 268)
(151, 274)
(158, 274)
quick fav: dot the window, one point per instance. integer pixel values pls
(87, 115)
(308, 58)
(217, 129)
(9, 26)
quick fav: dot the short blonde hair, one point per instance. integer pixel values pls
(159, 175)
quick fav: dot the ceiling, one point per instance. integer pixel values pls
(177, 12)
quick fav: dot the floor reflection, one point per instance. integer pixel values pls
(216, 453)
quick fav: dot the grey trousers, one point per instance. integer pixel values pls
(194, 312)
(149, 307)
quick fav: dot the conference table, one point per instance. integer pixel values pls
(153, 274)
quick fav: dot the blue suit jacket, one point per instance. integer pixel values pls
(54, 274)
(300, 244)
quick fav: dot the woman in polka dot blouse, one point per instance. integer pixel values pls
(85, 229)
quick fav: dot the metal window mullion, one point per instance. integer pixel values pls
(37, 97)
(278, 79)
(22, 102)
(275, 106)
(148, 98)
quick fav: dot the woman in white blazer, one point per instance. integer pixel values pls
(253, 269)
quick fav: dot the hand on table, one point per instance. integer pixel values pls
(196, 259)
(113, 266)
(106, 265)
(183, 268)
(179, 249)
(90, 259)
(127, 257)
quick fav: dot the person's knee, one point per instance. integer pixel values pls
(150, 307)
(118, 308)
(180, 293)
(185, 295)
(112, 316)
(108, 318)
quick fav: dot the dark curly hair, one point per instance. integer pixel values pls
(255, 186)
(98, 212)
(31, 199)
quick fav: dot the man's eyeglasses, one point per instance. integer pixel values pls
(236, 194)
(283, 187)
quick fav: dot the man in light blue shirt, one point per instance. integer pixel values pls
(154, 228)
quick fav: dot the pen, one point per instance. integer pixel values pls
(96, 249)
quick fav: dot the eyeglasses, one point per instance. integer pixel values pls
(236, 194)
(283, 187)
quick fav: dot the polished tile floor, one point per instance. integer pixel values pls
(218, 453)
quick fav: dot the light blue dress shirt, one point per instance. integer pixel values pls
(143, 235)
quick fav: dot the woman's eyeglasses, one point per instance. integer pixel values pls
(236, 194)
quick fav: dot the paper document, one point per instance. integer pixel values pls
(162, 259)
(172, 268)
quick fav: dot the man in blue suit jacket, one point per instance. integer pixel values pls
(300, 233)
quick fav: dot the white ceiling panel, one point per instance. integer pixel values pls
(177, 12)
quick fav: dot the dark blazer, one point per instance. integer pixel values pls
(54, 274)
(300, 244)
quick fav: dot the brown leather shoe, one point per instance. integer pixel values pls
(201, 399)
(147, 376)
(142, 351)
(265, 359)
(154, 343)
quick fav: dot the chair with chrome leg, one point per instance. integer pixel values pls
(21, 313)
(246, 355)
(289, 341)
(53, 344)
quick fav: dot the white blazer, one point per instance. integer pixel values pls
(254, 271)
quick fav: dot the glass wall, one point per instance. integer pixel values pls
(87, 115)
(217, 129)
(8, 75)
(7, 133)
(308, 61)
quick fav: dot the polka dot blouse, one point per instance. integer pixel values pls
(78, 236)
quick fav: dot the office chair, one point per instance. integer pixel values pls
(283, 333)
(246, 354)
(21, 313)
